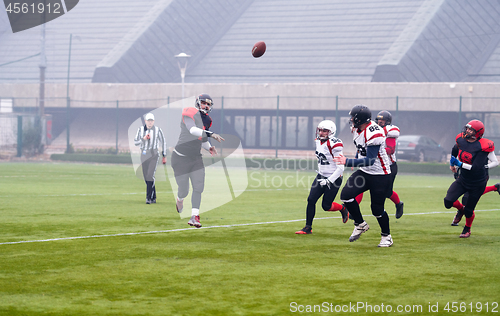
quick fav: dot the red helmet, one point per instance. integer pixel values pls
(477, 128)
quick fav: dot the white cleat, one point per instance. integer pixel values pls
(358, 230)
(386, 241)
(195, 221)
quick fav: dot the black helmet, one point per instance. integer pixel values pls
(205, 98)
(360, 114)
(384, 115)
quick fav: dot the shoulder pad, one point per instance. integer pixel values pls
(190, 112)
(487, 145)
(374, 134)
(458, 136)
(335, 142)
(392, 131)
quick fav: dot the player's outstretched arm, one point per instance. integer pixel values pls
(371, 156)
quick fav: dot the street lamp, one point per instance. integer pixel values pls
(68, 101)
(182, 61)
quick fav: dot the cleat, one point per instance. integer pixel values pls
(386, 241)
(153, 201)
(399, 210)
(195, 221)
(345, 214)
(148, 201)
(305, 231)
(179, 205)
(358, 230)
(457, 218)
(465, 233)
(497, 185)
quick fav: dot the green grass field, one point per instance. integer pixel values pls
(138, 259)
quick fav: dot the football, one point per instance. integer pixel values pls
(258, 49)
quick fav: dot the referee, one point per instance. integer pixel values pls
(149, 137)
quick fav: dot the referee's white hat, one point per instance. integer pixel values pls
(149, 116)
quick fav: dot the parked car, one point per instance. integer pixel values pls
(420, 148)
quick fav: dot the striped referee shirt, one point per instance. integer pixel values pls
(156, 136)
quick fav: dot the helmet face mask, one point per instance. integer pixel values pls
(473, 130)
(360, 114)
(323, 126)
(384, 116)
(207, 102)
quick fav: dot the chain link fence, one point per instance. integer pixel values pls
(271, 124)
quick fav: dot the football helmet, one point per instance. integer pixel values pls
(360, 114)
(473, 130)
(328, 125)
(384, 115)
(204, 98)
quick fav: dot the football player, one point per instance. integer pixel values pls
(470, 154)
(329, 178)
(384, 120)
(374, 174)
(187, 161)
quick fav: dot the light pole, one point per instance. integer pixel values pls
(67, 96)
(68, 101)
(182, 61)
(42, 66)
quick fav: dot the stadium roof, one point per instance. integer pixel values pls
(125, 41)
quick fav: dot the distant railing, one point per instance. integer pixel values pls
(277, 127)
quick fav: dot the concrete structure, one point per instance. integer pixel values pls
(304, 96)
(98, 111)
(129, 41)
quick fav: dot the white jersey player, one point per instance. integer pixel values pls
(372, 136)
(325, 151)
(384, 120)
(329, 178)
(391, 133)
(373, 175)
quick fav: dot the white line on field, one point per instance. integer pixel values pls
(133, 193)
(208, 227)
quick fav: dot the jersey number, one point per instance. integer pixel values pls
(322, 160)
(361, 150)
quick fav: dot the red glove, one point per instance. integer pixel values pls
(164, 160)
(390, 143)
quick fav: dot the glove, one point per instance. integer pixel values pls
(455, 162)
(213, 151)
(324, 182)
(164, 160)
(217, 137)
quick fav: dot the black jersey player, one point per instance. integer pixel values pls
(470, 154)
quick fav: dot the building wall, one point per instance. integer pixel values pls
(318, 96)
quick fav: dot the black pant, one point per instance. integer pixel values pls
(471, 195)
(186, 168)
(149, 161)
(378, 185)
(329, 193)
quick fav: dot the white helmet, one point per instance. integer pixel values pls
(330, 126)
